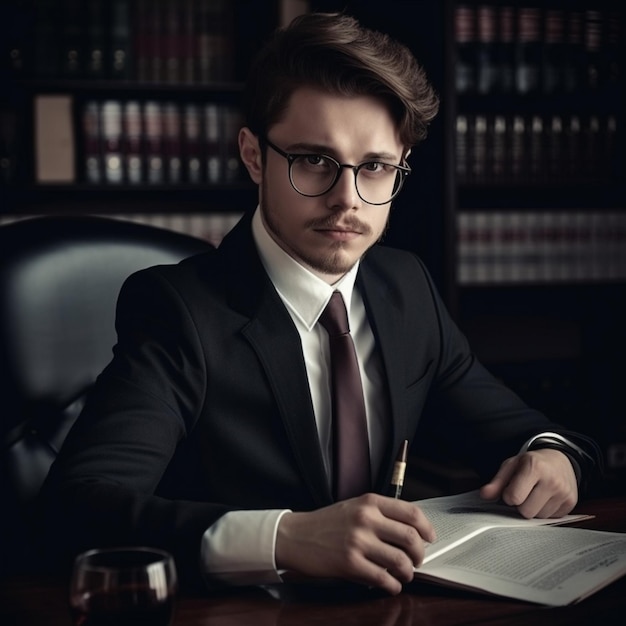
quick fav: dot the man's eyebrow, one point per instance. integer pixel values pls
(314, 148)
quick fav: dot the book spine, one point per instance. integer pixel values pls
(143, 40)
(192, 144)
(462, 149)
(499, 150)
(112, 136)
(72, 49)
(213, 127)
(172, 143)
(215, 33)
(466, 47)
(528, 51)
(54, 139)
(553, 65)
(121, 27)
(487, 78)
(173, 48)
(96, 35)
(230, 151)
(92, 147)
(133, 152)
(153, 124)
(154, 36)
(189, 43)
(592, 46)
(536, 149)
(479, 149)
(506, 49)
(47, 60)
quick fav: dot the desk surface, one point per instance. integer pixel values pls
(42, 601)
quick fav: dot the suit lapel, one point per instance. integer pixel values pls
(385, 319)
(273, 336)
(277, 343)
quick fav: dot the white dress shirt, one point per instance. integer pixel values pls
(239, 547)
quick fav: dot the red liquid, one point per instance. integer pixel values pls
(122, 610)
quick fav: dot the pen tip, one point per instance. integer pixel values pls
(404, 449)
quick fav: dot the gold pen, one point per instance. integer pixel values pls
(399, 469)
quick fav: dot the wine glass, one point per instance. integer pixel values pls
(123, 586)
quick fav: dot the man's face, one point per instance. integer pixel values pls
(327, 233)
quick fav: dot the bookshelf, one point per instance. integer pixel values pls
(128, 107)
(540, 112)
(537, 226)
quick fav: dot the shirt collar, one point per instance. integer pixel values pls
(305, 294)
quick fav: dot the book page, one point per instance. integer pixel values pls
(460, 517)
(552, 566)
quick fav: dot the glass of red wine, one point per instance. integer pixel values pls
(123, 586)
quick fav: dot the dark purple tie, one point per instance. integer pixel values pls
(351, 460)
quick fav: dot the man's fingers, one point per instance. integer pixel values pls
(395, 561)
(493, 490)
(541, 483)
(409, 515)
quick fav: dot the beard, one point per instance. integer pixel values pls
(333, 259)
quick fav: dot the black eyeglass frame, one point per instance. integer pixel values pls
(291, 157)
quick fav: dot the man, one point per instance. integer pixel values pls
(211, 432)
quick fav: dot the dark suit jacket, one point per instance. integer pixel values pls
(205, 406)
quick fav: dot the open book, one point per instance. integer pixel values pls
(489, 547)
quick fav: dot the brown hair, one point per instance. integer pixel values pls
(333, 52)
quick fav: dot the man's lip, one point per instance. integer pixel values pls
(340, 234)
(339, 229)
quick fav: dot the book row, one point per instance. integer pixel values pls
(174, 41)
(537, 148)
(154, 142)
(502, 247)
(532, 49)
(212, 227)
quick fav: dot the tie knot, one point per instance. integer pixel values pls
(334, 318)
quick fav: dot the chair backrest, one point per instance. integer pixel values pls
(59, 281)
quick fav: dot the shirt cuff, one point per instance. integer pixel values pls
(239, 549)
(577, 456)
(554, 438)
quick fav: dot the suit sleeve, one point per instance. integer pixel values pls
(473, 415)
(109, 484)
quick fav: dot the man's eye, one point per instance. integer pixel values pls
(373, 166)
(315, 159)
(376, 167)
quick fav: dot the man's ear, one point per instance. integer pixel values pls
(250, 152)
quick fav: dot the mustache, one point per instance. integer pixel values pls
(347, 223)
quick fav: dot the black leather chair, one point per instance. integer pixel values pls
(59, 281)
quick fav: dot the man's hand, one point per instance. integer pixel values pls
(372, 539)
(540, 483)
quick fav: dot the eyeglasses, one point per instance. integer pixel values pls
(314, 175)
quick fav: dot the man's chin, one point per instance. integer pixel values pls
(333, 265)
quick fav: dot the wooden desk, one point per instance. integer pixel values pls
(41, 601)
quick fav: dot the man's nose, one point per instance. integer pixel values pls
(344, 193)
